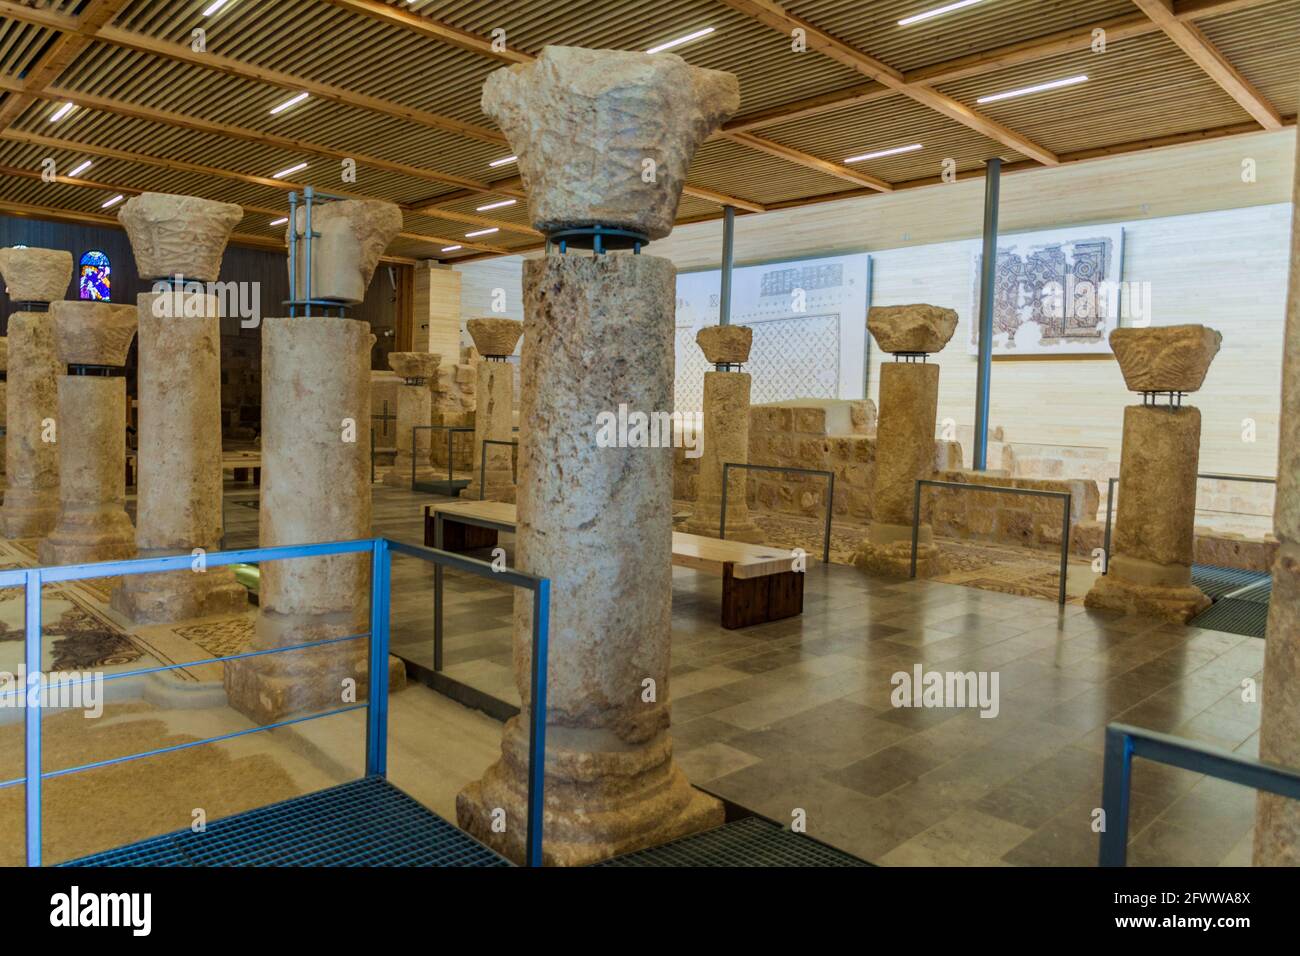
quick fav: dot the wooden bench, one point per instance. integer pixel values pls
(759, 584)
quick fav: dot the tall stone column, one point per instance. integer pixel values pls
(495, 339)
(178, 242)
(909, 407)
(1149, 570)
(414, 406)
(33, 278)
(726, 434)
(92, 339)
(316, 479)
(4, 385)
(597, 521)
(1277, 819)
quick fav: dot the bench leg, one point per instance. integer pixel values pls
(750, 601)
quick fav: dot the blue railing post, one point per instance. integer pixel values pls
(537, 722)
(377, 701)
(1117, 765)
(32, 716)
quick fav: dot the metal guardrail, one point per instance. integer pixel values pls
(1110, 504)
(482, 463)
(998, 489)
(376, 705)
(830, 497)
(1124, 742)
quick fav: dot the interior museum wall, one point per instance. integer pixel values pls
(241, 348)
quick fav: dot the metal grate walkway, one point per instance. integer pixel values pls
(1240, 599)
(367, 822)
(751, 842)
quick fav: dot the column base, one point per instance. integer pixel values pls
(1169, 602)
(500, 487)
(29, 514)
(399, 476)
(175, 596)
(740, 527)
(85, 549)
(887, 551)
(598, 804)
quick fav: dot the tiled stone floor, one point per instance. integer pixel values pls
(797, 715)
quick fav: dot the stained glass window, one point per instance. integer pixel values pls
(96, 280)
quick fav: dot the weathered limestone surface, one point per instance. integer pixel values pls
(315, 488)
(31, 397)
(1277, 820)
(1169, 358)
(35, 275)
(726, 439)
(4, 399)
(178, 235)
(352, 235)
(909, 404)
(598, 522)
(92, 523)
(413, 408)
(179, 487)
(493, 421)
(584, 123)
(495, 337)
(725, 344)
(911, 328)
(1150, 568)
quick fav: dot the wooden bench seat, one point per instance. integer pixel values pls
(759, 583)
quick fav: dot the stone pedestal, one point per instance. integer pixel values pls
(417, 370)
(1277, 819)
(31, 502)
(1149, 571)
(315, 488)
(597, 521)
(494, 399)
(909, 408)
(92, 341)
(179, 489)
(726, 435)
(4, 385)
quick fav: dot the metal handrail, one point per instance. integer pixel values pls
(1124, 742)
(999, 489)
(830, 497)
(482, 464)
(376, 705)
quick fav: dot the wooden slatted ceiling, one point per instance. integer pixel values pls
(1143, 88)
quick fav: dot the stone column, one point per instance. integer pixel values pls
(4, 374)
(33, 278)
(92, 339)
(316, 480)
(1149, 571)
(495, 339)
(909, 403)
(726, 434)
(178, 242)
(597, 521)
(414, 404)
(1277, 819)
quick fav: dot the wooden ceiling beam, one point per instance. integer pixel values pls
(775, 16)
(433, 29)
(1193, 41)
(781, 151)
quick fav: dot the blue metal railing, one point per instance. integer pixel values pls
(1124, 742)
(381, 551)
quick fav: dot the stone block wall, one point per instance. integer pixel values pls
(453, 404)
(1025, 520)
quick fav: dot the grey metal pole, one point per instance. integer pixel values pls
(728, 260)
(988, 275)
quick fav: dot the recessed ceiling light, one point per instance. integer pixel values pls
(884, 152)
(61, 112)
(1053, 85)
(680, 40)
(285, 172)
(287, 103)
(77, 171)
(216, 6)
(113, 202)
(281, 221)
(450, 248)
(498, 205)
(936, 12)
(481, 232)
(503, 161)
